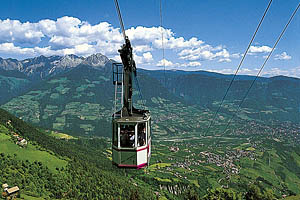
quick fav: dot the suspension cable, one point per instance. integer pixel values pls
(120, 19)
(162, 40)
(263, 65)
(239, 66)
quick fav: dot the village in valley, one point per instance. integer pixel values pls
(250, 150)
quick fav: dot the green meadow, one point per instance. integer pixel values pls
(30, 153)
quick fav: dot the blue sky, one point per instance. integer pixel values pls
(198, 35)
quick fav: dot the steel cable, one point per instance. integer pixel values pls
(239, 66)
(263, 65)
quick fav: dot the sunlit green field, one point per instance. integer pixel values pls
(30, 153)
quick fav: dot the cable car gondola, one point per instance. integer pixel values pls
(131, 127)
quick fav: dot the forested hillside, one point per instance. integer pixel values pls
(12, 85)
(275, 98)
(88, 173)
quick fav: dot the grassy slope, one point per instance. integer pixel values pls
(293, 198)
(31, 153)
(26, 197)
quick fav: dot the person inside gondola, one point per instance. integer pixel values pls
(124, 138)
(131, 140)
(127, 135)
(141, 135)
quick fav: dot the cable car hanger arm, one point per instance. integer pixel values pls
(129, 68)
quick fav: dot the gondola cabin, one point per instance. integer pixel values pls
(131, 145)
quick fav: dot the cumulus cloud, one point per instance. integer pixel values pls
(10, 47)
(206, 52)
(166, 63)
(293, 72)
(141, 48)
(177, 43)
(83, 49)
(236, 55)
(260, 49)
(224, 60)
(19, 33)
(148, 57)
(282, 56)
(200, 53)
(143, 59)
(70, 35)
(65, 35)
(147, 35)
(191, 64)
(170, 64)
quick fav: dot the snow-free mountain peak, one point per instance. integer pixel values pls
(96, 60)
(42, 67)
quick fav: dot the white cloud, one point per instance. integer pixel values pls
(46, 51)
(193, 49)
(177, 43)
(70, 35)
(141, 48)
(292, 72)
(191, 64)
(166, 63)
(83, 49)
(152, 38)
(224, 60)
(63, 42)
(283, 56)
(236, 55)
(224, 53)
(196, 54)
(65, 35)
(169, 63)
(143, 35)
(47, 26)
(143, 59)
(206, 52)
(148, 57)
(10, 47)
(260, 49)
(20, 33)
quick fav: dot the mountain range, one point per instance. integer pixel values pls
(75, 94)
(42, 67)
